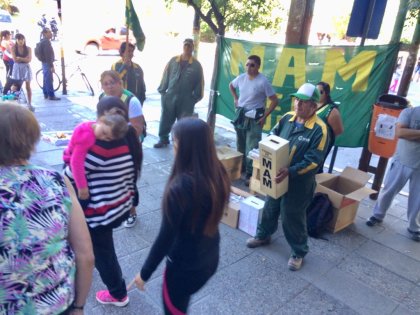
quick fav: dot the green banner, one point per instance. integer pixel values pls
(357, 76)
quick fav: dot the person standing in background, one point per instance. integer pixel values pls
(254, 89)
(47, 54)
(405, 167)
(181, 87)
(131, 73)
(6, 48)
(22, 55)
(329, 113)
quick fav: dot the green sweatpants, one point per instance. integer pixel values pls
(292, 209)
(174, 107)
(246, 140)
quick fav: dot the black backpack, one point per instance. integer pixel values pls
(318, 215)
(38, 53)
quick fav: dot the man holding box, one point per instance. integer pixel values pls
(308, 142)
(405, 167)
(254, 89)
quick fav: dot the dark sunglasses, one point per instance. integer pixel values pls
(251, 65)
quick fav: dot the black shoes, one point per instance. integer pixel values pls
(256, 242)
(415, 236)
(372, 221)
(54, 98)
(161, 144)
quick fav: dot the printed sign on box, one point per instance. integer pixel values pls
(274, 155)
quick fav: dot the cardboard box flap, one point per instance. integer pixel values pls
(361, 193)
(320, 178)
(355, 175)
(335, 197)
(226, 152)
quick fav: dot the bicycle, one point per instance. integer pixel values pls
(57, 81)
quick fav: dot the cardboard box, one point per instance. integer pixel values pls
(345, 192)
(231, 160)
(274, 154)
(250, 212)
(231, 213)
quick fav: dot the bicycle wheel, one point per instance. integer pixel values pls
(88, 86)
(40, 80)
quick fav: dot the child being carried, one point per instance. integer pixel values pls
(111, 126)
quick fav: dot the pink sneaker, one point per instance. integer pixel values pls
(104, 297)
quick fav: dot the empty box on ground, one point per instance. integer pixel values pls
(345, 192)
(274, 155)
(250, 214)
(231, 212)
(231, 160)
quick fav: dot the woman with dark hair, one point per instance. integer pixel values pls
(111, 175)
(112, 85)
(329, 113)
(195, 196)
(46, 253)
(22, 55)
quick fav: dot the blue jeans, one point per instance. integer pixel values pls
(47, 86)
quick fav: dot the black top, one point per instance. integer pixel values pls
(185, 249)
(47, 52)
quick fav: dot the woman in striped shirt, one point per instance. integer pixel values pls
(111, 172)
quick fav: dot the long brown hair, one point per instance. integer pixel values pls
(196, 157)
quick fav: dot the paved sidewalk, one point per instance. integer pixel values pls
(360, 270)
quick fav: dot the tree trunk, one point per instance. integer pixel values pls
(300, 20)
(196, 33)
(411, 61)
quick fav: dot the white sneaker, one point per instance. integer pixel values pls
(131, 221)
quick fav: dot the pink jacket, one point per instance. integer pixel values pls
(82, 140)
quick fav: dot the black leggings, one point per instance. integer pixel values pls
(106, 261)
(179, 285)
(9, 67)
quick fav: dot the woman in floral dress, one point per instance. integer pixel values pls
(46, 258)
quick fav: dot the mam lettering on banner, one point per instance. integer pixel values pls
(357, 76)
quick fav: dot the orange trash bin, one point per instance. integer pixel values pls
(382, 137)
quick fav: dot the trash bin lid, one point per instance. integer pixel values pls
(392, 101)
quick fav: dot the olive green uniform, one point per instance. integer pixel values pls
(181, 87)
(307, 146)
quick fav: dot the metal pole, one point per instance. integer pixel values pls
(63, 64)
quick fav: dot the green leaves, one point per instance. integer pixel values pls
(246, 15)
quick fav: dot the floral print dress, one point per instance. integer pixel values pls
(37, 265)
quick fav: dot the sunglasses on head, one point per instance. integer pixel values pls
(251, 65)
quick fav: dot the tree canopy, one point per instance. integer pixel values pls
(246, 15)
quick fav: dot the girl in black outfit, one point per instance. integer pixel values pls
(195, 196)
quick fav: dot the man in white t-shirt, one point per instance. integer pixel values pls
(254, 89)
(405, 167)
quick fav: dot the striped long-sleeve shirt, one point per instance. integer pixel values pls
(111, 181)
